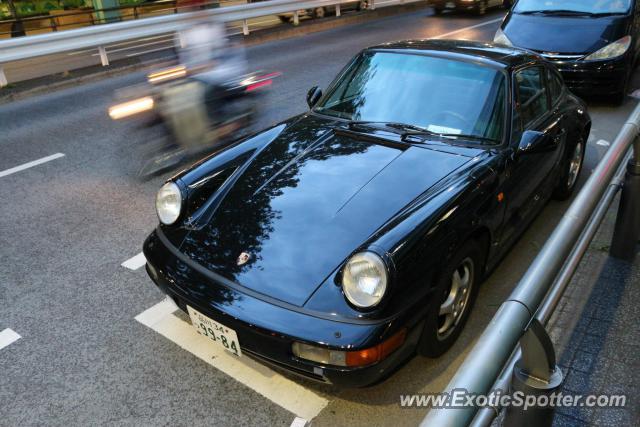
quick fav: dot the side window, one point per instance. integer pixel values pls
(555, 85)
(532, 95)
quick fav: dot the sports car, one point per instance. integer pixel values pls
(341, 242)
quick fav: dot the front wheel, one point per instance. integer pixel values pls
(571, 167)
(455, 294)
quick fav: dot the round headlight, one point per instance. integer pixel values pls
(364, 280)
(168, 203)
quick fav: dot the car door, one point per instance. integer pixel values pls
(531, 173)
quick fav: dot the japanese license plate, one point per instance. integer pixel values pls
(216, 332)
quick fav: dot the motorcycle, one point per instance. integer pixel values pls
(192, 116)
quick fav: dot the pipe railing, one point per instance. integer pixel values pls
(489, 364)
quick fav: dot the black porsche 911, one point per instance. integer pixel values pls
(342, 241)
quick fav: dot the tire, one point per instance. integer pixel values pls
(441, 331)
(482, 8)
(571, 168)
(319, 12)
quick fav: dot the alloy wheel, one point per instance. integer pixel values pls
(457, 299)
(575, 165)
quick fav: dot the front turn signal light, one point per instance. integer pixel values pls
(367, 356)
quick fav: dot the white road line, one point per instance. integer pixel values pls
(461, 30)
(293, 397)
(153, 315)
(135, 262)
(30, 164)
(603, 143)
(8, 336)
(299, 422)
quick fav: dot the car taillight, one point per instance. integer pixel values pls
(258, 85)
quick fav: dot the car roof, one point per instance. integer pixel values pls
(502, 56)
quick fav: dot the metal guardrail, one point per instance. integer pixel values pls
(101, 35)
(490, 364)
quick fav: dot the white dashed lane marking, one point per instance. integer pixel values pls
(299, 422)
(7, 337)
(135, 262)
(603, 143)
(30, 164)
(302, 402)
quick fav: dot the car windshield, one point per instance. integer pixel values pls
(440, 95)
(578, 6)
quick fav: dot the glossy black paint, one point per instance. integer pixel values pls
(304, 195)
(567, 40)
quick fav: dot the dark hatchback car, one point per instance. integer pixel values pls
(342, 241)
(594, 44)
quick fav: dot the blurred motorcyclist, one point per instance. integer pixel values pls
(213, 63)
(206, 101)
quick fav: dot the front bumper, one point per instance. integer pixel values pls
(606, 77)
(266, 331)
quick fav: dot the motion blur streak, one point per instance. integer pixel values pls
(130, 108)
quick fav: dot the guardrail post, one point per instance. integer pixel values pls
(371, 5)
(245, 27)
(104, 59)
(296, 17)
(338, 9)
(536, 376)
(627, 229)
(3, 78)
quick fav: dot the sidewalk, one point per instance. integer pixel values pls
(596, 333)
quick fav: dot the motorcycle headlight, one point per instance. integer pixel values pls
(168, 203)
(364, 280)
(613, 50)
(501, 38)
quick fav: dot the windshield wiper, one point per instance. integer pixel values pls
(469, 136)
(405, 128)
(558, 12)
(408, 130)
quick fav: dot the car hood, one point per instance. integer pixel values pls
(305, 202)
(562, 34)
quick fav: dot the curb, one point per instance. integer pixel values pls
(47, 84)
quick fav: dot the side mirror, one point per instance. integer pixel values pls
(313, 96)
(531, 142)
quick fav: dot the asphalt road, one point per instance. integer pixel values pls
(68, 224)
